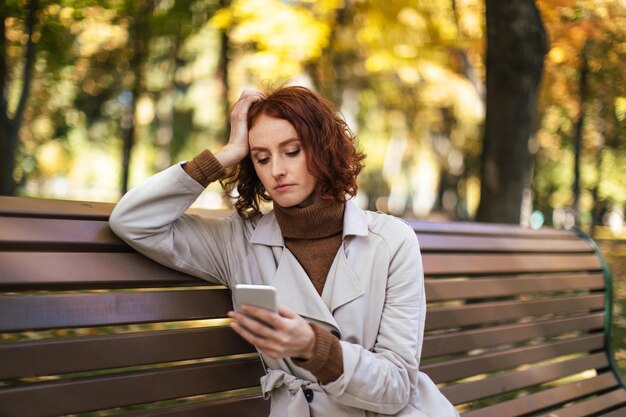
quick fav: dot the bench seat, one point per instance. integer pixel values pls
(518, 323)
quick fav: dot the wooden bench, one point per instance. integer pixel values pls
(518, 323)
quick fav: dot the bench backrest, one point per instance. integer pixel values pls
(87, 324)
(518, 320)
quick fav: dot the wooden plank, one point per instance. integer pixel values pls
(502, 311)
(479, 263)
(449, 242)
(51, 235)
(548, 398)
(85, 270)
(473, 288)
(519, 379)
(620, 412)
(34, 233)
(73, 209)
(119, 390)
(485, 229)
(458, 368)
(51, 208)
(464, 341)
(253, 406)
(591, 406)
(51, 357)
(86, 310)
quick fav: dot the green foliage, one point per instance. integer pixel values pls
(590, 31)
(408, 76)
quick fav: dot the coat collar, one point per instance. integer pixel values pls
(268, 233)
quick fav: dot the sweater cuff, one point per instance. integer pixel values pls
(326, 364)
(205, 168)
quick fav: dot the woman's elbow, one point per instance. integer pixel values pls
(118, 224)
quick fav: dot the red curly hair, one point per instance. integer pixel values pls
(328, 143)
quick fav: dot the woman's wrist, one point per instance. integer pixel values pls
(309, 350)
(230, 155)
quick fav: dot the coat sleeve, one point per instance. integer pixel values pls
(382, 380)
(151, 219)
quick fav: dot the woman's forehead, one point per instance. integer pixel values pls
(270, 131)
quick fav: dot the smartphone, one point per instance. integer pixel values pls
(263, 296)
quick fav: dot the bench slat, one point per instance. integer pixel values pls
(50, 234)
(463, 341)
(253, 406)
(85, 270)
(497, 312)
(464, 367)
(24, 234)
(519, 379)
(547, 398)
(430, 242)
(74, 209)
(86, 310)
(487, 229)
(621, 412)
(33, 207)
(51, 357)
(444, 289)
(28, 268)
(479, 263)
(97, 393)
(591, 406)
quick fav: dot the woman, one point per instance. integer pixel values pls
(347, 337)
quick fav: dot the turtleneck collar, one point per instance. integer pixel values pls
(318, 220)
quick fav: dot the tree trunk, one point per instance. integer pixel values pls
(578, 134)
(516, 46)
(223, 75)
(7, 158)
(10, 126)
(140, 36)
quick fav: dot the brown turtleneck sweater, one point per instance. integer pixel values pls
(313, 234)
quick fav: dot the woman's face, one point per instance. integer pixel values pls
(280, 162)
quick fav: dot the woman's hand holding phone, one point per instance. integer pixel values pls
(284, 335)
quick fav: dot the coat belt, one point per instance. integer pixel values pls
(276, 378)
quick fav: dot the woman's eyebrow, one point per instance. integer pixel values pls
(280, 145)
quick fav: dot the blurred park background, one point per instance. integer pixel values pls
(98, 95)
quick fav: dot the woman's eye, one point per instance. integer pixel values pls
(262, 161)
(293, 153)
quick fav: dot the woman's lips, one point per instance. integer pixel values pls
(283, 187)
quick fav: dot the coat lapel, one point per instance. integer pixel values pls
(342, 285)
(295, 290)
(293, 286)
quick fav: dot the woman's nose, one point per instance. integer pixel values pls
(278, 168)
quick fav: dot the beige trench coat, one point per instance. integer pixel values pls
(373, 299)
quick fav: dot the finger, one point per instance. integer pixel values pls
(252, 323)
(241, 107)
(252, 94)
(286, 312)
(272, 349)
(262, 314)
(245, 333)
(255, 333)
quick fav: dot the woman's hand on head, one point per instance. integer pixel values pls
(285, 335)
(237, 147)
